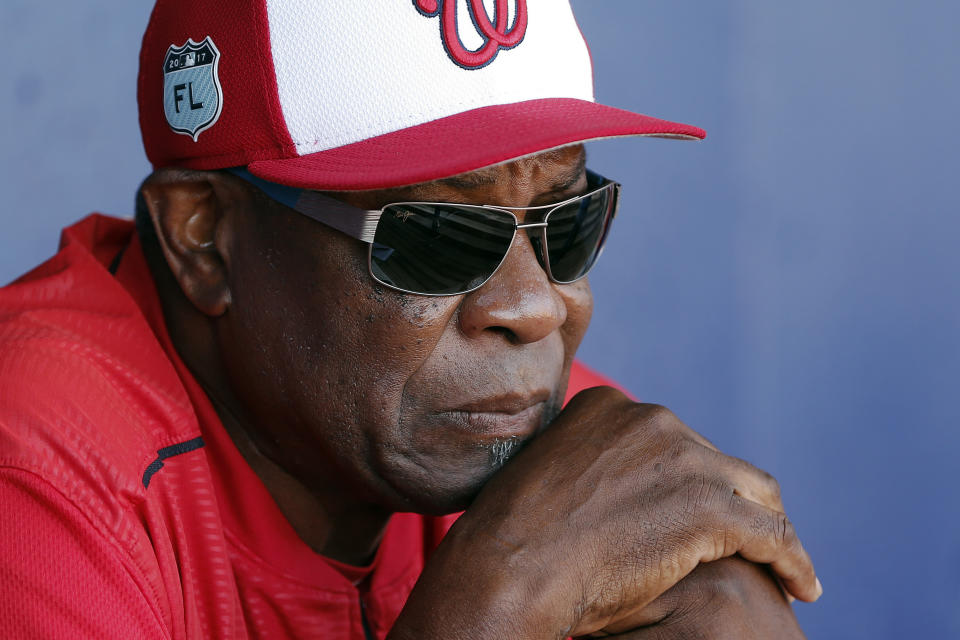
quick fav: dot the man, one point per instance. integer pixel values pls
(352, 309)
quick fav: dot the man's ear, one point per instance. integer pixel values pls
(187, 211)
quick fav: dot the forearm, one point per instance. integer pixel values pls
(730, 598)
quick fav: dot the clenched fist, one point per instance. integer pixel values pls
(599, 516)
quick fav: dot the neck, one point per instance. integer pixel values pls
(343, 530)
(324, 516)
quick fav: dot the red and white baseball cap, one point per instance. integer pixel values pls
(333, 95)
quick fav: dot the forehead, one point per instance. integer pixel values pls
(543, 176)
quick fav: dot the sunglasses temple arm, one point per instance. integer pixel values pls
(356, 223)
(353, 221)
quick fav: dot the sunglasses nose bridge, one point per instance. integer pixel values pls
(535, 233)
(527, 243)
(534, 230)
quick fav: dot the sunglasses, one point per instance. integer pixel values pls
(444, 249)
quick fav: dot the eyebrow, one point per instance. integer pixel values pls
(468, 180)
(488, 176)
(570, 178)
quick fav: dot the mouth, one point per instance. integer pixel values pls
(495, 425)
(500, 418)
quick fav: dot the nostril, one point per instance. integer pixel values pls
(507, 334)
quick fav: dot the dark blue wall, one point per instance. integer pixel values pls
(788, 286)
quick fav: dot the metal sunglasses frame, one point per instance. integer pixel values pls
(361, 224)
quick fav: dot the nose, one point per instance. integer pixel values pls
(518, 300)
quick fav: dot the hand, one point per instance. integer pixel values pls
(599, 515)
(730, 599)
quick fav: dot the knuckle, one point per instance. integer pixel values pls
(705, 493)
(657, 414)
(769, 527)
(603, 393)
(680, 449)
(786, 535)
(589, 399)
(769, 482)
(774, 489)
(652, 423)
(687, 454)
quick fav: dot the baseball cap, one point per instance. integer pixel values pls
(323, 94)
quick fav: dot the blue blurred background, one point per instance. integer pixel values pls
(788, 286)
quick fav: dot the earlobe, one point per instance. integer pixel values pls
(186, 211)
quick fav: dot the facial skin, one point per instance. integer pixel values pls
(350, 400)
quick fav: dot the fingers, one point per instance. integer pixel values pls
(750, 482)
(767, 536)
(754, 513)
(786, 594)
(753, 521)
(697, 437)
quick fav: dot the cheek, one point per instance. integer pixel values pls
(326, 352)
(315, 330)
(439, 466)
(397, 334)
(578, 299)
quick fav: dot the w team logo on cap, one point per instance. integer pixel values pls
(496, 33)
(192, 97)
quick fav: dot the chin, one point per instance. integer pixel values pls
(439, 489)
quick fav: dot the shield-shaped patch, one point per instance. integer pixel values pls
(192, 97)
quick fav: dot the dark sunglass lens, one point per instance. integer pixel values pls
(439, 249)
(575, 234)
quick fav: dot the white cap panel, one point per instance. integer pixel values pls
(406, 77)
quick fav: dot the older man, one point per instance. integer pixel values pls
(351, 309)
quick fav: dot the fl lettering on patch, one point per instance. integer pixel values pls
(192, 96)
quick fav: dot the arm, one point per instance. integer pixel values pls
(59, 576)
(728, 599)
(596, 518)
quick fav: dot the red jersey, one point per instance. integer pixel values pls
(127, 510)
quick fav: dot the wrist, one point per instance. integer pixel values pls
(475, 586)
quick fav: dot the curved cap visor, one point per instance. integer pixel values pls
(464, 142)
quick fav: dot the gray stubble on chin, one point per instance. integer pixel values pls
(502, 450)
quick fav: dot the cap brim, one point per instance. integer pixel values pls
(464, 142)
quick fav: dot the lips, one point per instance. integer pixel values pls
(508, 416)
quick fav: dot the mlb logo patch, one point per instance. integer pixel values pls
(192, 96)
